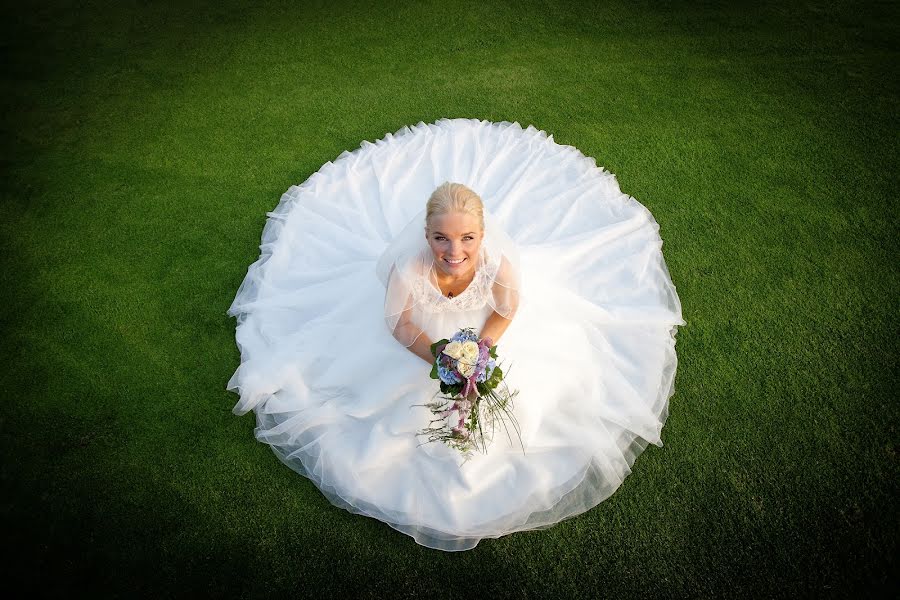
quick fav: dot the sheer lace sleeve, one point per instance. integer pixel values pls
(402, 267)
(504, 297)
(403, 306)
(503, 268)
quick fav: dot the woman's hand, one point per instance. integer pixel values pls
(494, 326)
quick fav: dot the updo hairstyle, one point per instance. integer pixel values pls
(454, 197)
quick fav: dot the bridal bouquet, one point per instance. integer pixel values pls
(475, 400)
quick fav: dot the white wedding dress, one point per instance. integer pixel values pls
(591, 348)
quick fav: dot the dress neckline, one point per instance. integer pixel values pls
(437, 288)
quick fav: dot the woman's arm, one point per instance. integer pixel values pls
(422, 348)
(407, 330)
(399, 302)
(505, 297)
(494, 326)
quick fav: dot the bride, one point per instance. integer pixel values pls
(454, 263)
(571, 287)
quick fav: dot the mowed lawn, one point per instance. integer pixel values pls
(145, 142)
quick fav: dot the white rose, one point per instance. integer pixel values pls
(465, 367)
(470, 350)
(453, 350)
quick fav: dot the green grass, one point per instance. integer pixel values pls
(144, 144)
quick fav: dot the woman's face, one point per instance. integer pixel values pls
(455, 239)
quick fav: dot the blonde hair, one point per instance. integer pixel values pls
(454, 197)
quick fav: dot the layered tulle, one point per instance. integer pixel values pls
(591, 348)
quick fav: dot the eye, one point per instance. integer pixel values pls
(440, 238)
(468, 238)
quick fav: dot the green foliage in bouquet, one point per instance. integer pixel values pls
(479, 412)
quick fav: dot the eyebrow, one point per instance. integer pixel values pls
(445, 235)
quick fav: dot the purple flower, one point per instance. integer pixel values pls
(460, 432)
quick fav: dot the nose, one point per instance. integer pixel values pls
(455, 247)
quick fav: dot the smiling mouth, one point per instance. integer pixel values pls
(454, 262)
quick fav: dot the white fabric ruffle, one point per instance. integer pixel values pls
(591, 349)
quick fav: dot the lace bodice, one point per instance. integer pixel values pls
(414, 302)
(475, 296)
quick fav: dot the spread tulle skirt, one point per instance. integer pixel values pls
(591, 350)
